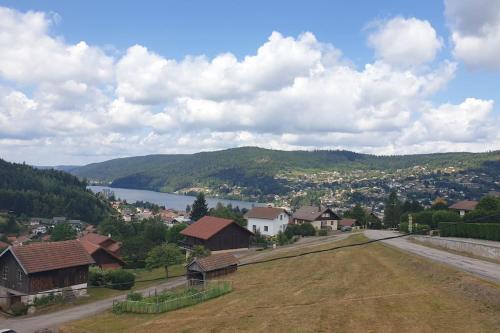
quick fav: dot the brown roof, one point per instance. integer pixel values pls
(216, 261)
(206, 227)
(464, 205)
(92, 248)
(4, 245)
(41, 257)
(348, 222)
(267, 213)
(310, 213)
(103, 241)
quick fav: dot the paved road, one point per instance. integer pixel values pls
(51, 320)
(484, 269)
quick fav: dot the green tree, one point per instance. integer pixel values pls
(165, 256)
(173, 234)
(392, 210)
(63, 231)
(358, 213)
(198, 251)
(135, 249)
(228, 212)
(488, 203)
(199, 208)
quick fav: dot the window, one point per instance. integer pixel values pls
(19, 276)
(254, 228)
(266, 228)
(281, 217)
(5, 272)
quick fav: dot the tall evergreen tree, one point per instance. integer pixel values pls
(392, 210)
(199, 208)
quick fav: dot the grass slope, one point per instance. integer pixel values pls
(371, 288)
(253, 167)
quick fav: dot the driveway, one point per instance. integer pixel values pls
(51, 320)
(484, 269)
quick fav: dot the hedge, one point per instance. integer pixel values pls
(490, 231)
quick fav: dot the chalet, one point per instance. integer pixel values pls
(216, 234)
(212, 266)
(269, 221)
(27, 270)
(463, 207)
(320, 218)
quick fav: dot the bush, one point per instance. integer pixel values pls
(322, 232)
(282, 238)
(134, 297)
(421, 228)
(50, 298)
(120, 279)
(19, 309)
(97, 277)
(444, 216)
(403, 227)
(306, 229)
(489, 231)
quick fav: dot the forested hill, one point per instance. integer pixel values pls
(254, 167)
(47, 193)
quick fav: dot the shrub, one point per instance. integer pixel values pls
(421, 228)
(50, 298)
(19, 309)
(282, 238)
(306, 229)
(120, 279)
(322, 232)
(134, 297)
(97, 277)
(403, 226)
(490, 231)
(292, 230)
(444, 216)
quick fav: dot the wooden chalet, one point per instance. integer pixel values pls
(320, 218)
(216, 234)
(104, 250)
(27, 270)
(212, 266)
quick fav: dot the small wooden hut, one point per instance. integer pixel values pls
(212, 266)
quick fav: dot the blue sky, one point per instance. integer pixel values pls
(174, 30)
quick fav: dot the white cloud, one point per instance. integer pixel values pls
(475, 31)
(405, 42)
(293, 93)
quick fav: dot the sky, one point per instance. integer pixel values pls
(88, 81)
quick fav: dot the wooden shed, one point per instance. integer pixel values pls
(212, 266)
(216, 234)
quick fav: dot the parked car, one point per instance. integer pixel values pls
(346, 228)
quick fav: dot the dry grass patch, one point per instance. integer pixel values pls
(372, 288)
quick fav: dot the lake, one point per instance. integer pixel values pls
(175, 201)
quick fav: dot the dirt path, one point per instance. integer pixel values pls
(481, 268)
(51, 320)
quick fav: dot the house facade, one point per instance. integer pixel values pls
(30, 271)
(319, 218)
(463, 207)
(269, 221)
(216, 234)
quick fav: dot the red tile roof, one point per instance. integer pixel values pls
(215, 261)
(348, 222)
(464, 205)
(103, 241)
(266, 213)
(92, 248)
(206, 227)
(41, 257)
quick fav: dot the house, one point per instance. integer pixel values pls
(353, 223)
(269, 221)
(216, 234)
(28, 270)
(464, 206)
(103, 257)
(320, 218)
(105, 242)
(212, 266)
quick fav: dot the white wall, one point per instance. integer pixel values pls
(273, 226)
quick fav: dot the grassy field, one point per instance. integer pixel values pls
(373, 288)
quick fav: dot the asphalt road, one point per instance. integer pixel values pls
(30, 324)
(484, 269)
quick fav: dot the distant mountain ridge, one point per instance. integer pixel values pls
(252, 167)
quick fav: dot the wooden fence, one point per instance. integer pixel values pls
(150, 305)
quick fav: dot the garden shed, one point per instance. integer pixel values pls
(212, 266)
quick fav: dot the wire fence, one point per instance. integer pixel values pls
(194, 294)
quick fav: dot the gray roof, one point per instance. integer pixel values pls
(311, 213)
